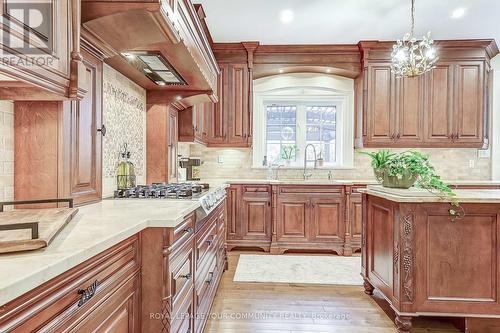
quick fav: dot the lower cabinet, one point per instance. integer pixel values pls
(111, 280)
(309, 218)
(185, 265)
(249, 221)
(281, 218)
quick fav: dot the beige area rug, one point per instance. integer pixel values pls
(299, 269)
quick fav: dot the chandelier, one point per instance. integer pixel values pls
(412, 57)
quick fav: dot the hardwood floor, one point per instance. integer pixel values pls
(290, 308)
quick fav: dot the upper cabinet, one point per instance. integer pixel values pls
(231, 117)
(446, 107)
(41, 56)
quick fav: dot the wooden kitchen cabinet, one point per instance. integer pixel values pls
(48, 65)
(380, 105)
(230, 118)
(161, 143)
(445, 107)
(249, 216)
(58, 145)
(327, 218)
(194, 122)
(426, 263)
(309, 218)
(57, 306)
(86, 141)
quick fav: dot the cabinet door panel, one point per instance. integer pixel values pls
(327, 220)
(172, 146)
(86, 142)
(470, 102)
(439, 110)
(233, 212)
(256, 216)
(409, 114)
(356, 215)
(217, 132)
(238, 111)
(380, 105)
(293, 218)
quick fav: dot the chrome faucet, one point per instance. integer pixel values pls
(307, 175)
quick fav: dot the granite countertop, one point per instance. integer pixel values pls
(416, 195)
(95, 228)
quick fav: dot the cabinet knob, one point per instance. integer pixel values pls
(102, 130)
(188, 230)
(186, 276)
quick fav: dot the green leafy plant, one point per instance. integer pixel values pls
(412, 166)
(288, 152)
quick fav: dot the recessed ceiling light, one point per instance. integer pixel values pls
(160, 83)
(281, 70)
(328, 70)
(287, 16)
(178, 98)
(458, 12)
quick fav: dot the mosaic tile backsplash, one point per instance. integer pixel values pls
(451, 164)
(124, 115)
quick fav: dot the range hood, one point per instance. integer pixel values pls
(160, 45)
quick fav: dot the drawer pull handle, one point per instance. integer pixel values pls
(210, 277)
(86, 294)
(186, 276)
(188, 230)
(209, 242)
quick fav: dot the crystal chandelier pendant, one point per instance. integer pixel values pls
(412, 57)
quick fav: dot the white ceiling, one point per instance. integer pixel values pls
(347, 21)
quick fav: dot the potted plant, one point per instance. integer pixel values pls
(320, 161)
(288, 153)
(405, 169)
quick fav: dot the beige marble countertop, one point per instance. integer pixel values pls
(341, 181)
(95, 228)
(421, 195)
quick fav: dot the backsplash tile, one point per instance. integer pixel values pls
(124, 115)
(452, 164)
(6, 150)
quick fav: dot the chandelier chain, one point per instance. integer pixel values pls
(412, 17)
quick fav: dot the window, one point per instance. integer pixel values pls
(289, 128)
(294, 110)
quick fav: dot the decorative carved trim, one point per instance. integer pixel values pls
(403, 324)
(166, 312)
(407, 258)
(396, 257)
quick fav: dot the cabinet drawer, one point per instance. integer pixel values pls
(182, 319)
(309, 189)
(183, 231)
(203, 285)
(182, 275)
(256, 189)
(205, 244)
(117, 313)
(56, 302)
